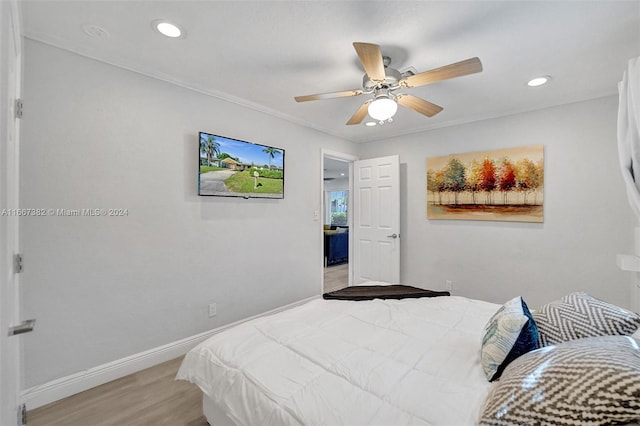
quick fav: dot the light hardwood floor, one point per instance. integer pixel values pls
(336, 277)
(149, 397)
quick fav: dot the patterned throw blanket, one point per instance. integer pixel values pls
(370, 292)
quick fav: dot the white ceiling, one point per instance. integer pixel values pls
(263, 53)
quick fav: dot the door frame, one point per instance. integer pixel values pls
(349, 158)
(10, 90)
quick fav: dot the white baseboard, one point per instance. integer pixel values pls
(63, 387)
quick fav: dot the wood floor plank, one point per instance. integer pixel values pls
(336, 277)
(149, 397)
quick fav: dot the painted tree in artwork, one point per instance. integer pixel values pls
(435, 183)
(488, 177)
(527, 177)
(432, 185)
(507, 179)
(539, 182)
(474, 179)
(454, 177)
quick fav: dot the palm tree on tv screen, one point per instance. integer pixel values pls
(209, 147)
(272, 153)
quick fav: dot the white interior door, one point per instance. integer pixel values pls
(10, 77)
(376, 220)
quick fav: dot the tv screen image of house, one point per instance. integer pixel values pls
(236, 168)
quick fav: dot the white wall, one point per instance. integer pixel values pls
(102, 288)
(587, 220)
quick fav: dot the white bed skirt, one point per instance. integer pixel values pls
(214, 413)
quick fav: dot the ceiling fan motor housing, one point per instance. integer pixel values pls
(382, 93)
(392, 77)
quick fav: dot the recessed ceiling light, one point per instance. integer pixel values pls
(370, 123)
(538, 81)
(167, 28)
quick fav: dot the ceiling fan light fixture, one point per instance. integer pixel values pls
(383, 108)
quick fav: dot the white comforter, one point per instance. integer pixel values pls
(380, 362)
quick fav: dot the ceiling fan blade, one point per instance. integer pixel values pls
(371, 58)
(360, 114)
(345, 93)
(418, 105)
(469, 66)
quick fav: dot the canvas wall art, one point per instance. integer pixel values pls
(501, 185)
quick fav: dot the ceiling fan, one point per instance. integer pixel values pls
(382, 82)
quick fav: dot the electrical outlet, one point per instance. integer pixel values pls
(448, 285)
(212, 310)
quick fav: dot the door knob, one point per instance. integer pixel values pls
(394, 236)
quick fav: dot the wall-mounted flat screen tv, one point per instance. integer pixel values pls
(235, 168)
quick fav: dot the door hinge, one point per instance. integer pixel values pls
(22, 415)
(17, 263)
(18, 108)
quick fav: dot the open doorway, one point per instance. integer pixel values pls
(336, 219)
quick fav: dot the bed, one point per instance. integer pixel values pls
(373, 362)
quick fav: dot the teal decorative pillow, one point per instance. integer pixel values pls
(590, 381)
(510, 332)
(579, 315)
